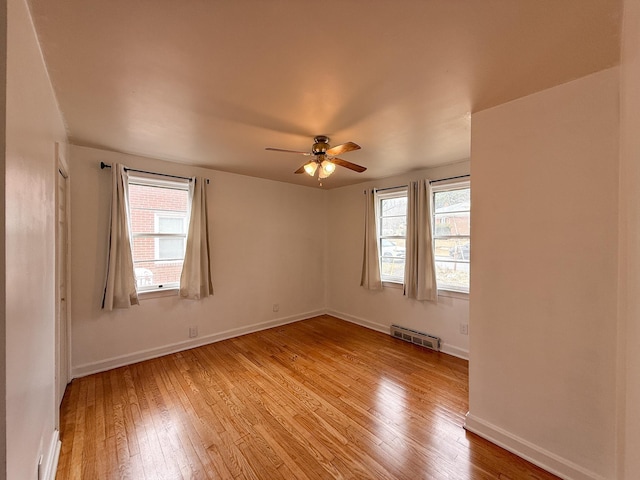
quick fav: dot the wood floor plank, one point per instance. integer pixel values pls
(315, 399)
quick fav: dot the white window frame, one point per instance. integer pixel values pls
(400, 192)
(152, 181)
(445, 187)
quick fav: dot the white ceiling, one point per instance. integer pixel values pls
(214, 82)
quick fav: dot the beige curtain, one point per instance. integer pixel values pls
(120, 288)
(371, 261)
(419, 273)
(195, 280)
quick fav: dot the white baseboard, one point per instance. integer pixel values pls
(535, 454)
(444, 347)
(83, 370)
(50, 461)
(378, 327)
(120, 361)
(454, 351)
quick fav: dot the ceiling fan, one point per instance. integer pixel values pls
(324, 157)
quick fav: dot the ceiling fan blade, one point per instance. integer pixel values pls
(301, 169)
(287, 151)
(349, 165)
(344, 148)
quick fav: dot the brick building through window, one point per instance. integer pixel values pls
(158, 214)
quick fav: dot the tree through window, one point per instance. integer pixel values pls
(452, 235)
(392, 232)
(451, 205)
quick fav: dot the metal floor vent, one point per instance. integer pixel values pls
(418, 338)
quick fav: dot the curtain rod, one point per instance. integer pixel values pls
(390, 188)
(106, 165)
(430, 181)
(450, 178)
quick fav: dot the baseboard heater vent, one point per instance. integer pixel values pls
(418, 338)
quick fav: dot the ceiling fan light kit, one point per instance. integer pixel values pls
(324, 157)
(327, 168)
(311, 168)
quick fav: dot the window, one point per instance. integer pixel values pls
(392, 231)
(158, 212)
(451, 232)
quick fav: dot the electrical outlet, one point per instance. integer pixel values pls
(276, 307)
(193, 331)
(464, 328)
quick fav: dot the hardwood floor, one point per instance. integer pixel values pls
(316, 399)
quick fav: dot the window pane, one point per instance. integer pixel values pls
(452, 224)
(392, 248)
(393, 226)
(158, 198)
(393, 206)
(171, 225)
(153, 274)
(452, 275)
(146, 202)
(392, 269)
(452, 249)
(144, 249)
(144, 277)
(452, 200)
(170, 248)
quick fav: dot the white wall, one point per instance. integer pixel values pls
(544, 309)
(629, 419)
(267, 247)
(380, 309)
(34, 124)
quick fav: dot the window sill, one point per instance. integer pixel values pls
(441, 292)
(164, 292)
(453, 294)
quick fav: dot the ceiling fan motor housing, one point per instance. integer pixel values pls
(321, 145)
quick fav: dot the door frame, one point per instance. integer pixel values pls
(62, 371)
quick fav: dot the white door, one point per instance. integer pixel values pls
(62, 328)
